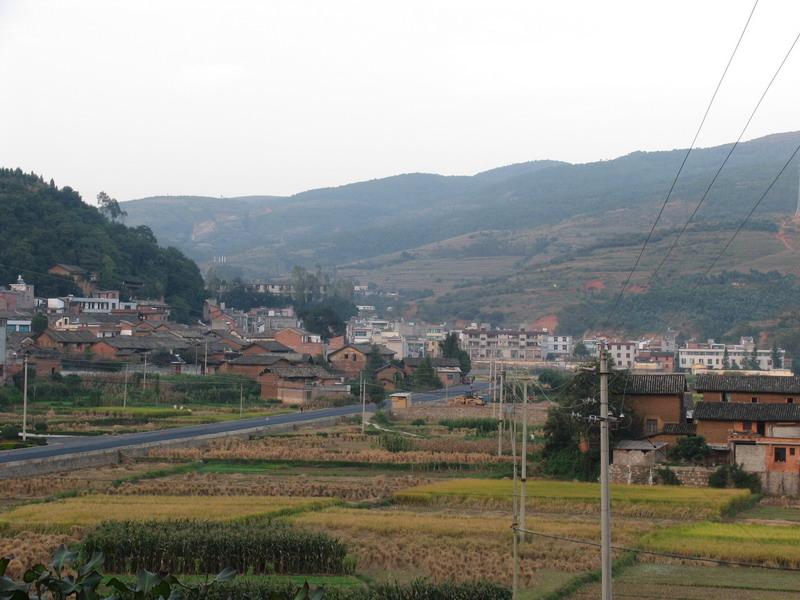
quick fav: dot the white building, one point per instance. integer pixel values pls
(712, 355)
(482, 343)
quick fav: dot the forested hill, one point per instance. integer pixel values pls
(41, 225)
(267, 234)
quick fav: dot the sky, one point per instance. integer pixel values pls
(232, 98)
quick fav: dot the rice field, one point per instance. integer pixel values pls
(777, 545)
(83, 511)
(559, 496)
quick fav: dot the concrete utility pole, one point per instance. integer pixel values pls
(363, 391)
(241, 400)
(25, 398)
(125, 388)
(524, 473)
(515, 507)
(500, 415)
(144, 377)
(205, 359)
(491, 381)
(605, 497)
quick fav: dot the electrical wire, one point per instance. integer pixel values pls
(685, 158)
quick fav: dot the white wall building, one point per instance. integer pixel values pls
(711, 355)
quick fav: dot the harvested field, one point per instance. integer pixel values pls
(690, 582)
(241, 484)
(464, 546)
(29, 548)
(561, 496)
(434, 412)
(83, 511)
(321, 448)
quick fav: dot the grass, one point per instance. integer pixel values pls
(665, 501)
(772, 513)
(742, 542)
(83, 511)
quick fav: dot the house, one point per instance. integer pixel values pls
(639, 452)
(718, 422)
(300, 383)
(66, 342)
(714, 355)
(265, 347)
(87, 282)
(353, 358)
(753, 389)
(136, 347)
(389, 376)
(252, 365)
(410, 365)
(623, 353)
(655, 400)
(448, 375)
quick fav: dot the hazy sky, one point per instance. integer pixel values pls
(274, 97)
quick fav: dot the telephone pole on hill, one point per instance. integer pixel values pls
(605, 498)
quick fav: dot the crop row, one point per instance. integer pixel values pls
(208, 547)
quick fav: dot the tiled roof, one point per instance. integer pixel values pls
(765, 384)
(437, 362)
(679, 428)
(301, 372)
(71, 337)
(269, 346)
(266, 359)
(745, 411)
(144, 342)
(654, 385)
(643, 445)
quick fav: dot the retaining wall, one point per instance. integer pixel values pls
(648, 475)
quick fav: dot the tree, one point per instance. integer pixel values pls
(726, 359)
(777, 361)
(425, 375)
(451, 349)
(752, 362)
(580, 351)
(39, 323)
(691, 449)
(109, 207)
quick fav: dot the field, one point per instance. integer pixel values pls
(548, 495)
(83, 511)
(438, 508)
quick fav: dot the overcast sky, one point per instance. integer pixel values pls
(274, 97)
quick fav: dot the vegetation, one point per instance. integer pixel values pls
(41, 225)
(735, 476)
(203, 547)
(451, 349)
(481, 426)
(691, 449)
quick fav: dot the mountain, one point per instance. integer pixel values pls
(331, 226)
(41, 225)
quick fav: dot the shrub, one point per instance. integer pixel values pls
(668, 477)
(204, 547)
(381, 418)
(9, 432)
(395, 443)
(690, 449)
(735, 476)
(719, 478)
(419, 422)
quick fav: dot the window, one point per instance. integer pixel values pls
(754, 400)
(780, 455)
(651, 426)
(747, 426)
(791, 451)
(790, 401)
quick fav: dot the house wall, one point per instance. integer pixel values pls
(251, 371)
(269, 386)
(635, 457)
(665, 409)
(715, 432)
(751, 457)
(647, 475)
(104, 351)
(349, 361)
(748, 397)
(294, 340)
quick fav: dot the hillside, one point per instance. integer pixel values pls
(41, 225)
(514, 243)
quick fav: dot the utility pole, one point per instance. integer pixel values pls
(144, 378)
(205, 359)
(241, 400)
(524, 472)
(25, 398)
(500, 416)
(491, 381)
(125, 388)
(515, 507)
(605, 499)
(363, 391)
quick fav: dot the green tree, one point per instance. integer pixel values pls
(752, 362)
(109, 207)
(425, 376)
(580, 351)
(726, 359)
(39, 323)
(451, 349)
(777, 362)
(690, 449)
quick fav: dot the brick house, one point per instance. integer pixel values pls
(66, 342)
(87, 282)
(753, 389)
(301, 341)
(388, 376)
(253, 365)
(353, 358)
(299, 383)
(265, 347)
(410, 365)
(656, 400)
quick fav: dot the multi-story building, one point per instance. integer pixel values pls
(482, 342)
(623, 353)
(715, 355)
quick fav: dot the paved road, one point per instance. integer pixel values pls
(78, 445)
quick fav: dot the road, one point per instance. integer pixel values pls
(77, 445)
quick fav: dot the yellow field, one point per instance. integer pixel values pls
(92, 509)
(549, 495)
(770, 544)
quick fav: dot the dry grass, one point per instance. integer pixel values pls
(89, 510)
(212, 484)
(564, 496)
(319, 448)
(464, 546)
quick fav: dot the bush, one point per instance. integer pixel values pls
(690, 449)
(571, 463)
(667, 476)
(419, 422)
(202, 547)
(40, 427)
(10, 432)
(735, 476)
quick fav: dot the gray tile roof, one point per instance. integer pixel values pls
(679, 428)
(80, 336)
(765, 384)
(745, 411)
(267, 359)
(643, 445)
(655, 385)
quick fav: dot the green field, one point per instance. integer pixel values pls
(666, 501)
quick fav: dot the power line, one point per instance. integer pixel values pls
(717, 561)
(724, 162)
(685, 157)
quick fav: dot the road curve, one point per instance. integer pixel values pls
(108, 442)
